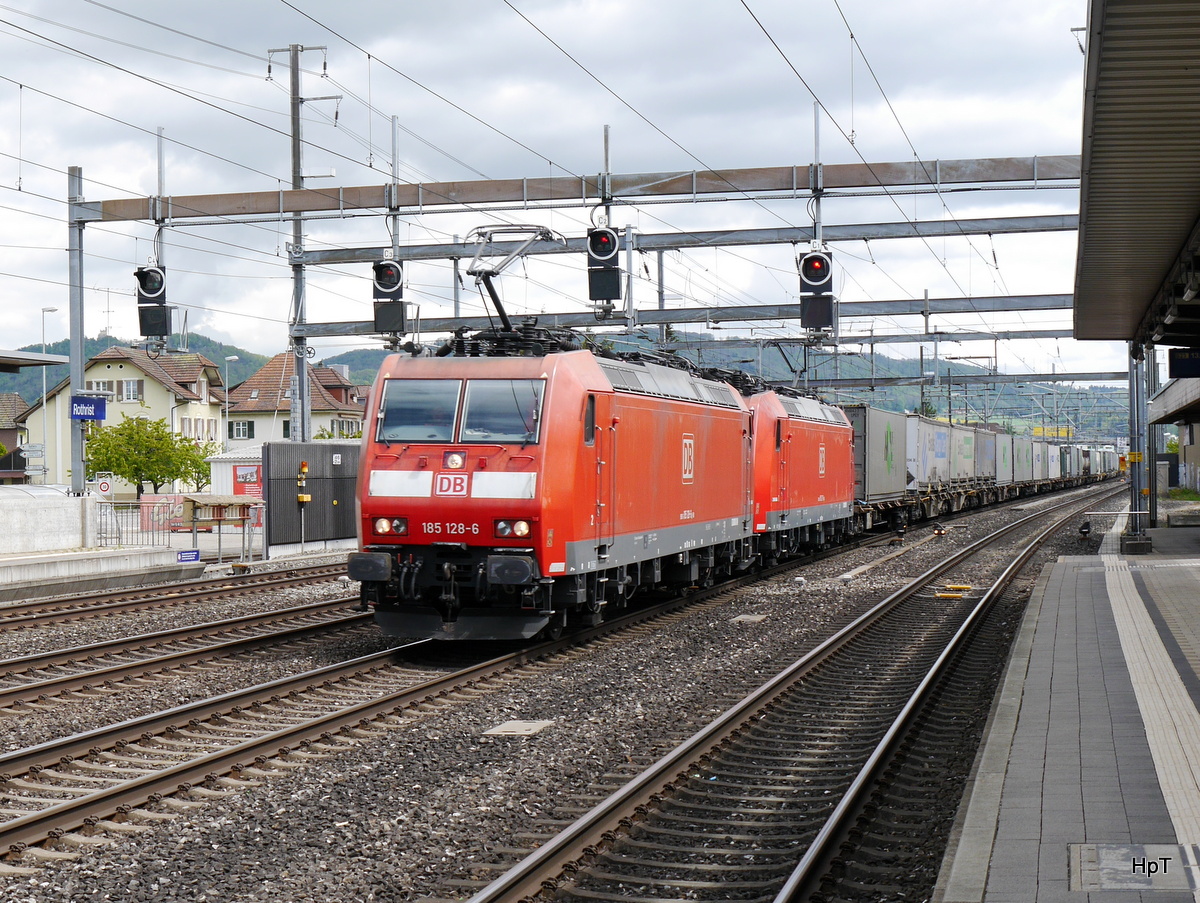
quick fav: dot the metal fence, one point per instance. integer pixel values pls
(125, 524)
(158, 522)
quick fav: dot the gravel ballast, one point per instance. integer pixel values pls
(397, 816)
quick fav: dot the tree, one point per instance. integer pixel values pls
(140, 451)
(196, 470)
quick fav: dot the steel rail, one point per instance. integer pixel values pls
(86, 605)
(44, 824)
(527, 878)
(85, 680)
(824, 847)
(162, 637)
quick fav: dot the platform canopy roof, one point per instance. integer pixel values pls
(12, 361)
(1136, 276)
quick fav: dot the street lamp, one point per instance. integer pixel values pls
(45, 435)
(225, 438)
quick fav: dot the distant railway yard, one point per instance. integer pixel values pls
(319, 765)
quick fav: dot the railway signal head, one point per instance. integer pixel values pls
(388, 282)
(151, 285)
(816, 273)
(602, 246)
(604, 275)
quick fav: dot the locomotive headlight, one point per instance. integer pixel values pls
(507, 528)
(454, 460)
(385, 526)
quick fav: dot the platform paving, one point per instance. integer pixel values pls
(1087, 787)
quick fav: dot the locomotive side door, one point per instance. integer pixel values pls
(599, 473)
(783, 445)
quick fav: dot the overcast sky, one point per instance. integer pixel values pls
(487, 89)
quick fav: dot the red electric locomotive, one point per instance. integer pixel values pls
(504, 493)
(803, 474)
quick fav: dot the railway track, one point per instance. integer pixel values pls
(101, 781)
(37, 612)
(101, 668)
(756, 805)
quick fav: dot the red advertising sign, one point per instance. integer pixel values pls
(247, 480)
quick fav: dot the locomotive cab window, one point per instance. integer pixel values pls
(502, 410)
(418, 410)
(589, 421)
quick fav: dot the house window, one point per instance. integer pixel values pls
(253, 394)
(241, 429)
(131, 389)
(287, 429)
(99, 385)
(185, 427)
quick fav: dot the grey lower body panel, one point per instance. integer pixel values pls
(806, 517)
(629, 548)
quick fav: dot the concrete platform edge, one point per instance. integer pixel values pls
(89, 570)
(963, 875)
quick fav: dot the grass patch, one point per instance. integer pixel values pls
(1183, 495)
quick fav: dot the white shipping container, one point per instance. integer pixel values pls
(879, 453)
(1004, 460)
(1041, 460)
(1022, 459)
(985, 456)
(962, 462)
(928, 452)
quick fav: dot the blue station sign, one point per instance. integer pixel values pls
(87, 408)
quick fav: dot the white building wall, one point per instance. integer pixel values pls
(157, 404)
(47, 524)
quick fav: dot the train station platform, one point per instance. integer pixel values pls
(29, 575)
(1087, 787)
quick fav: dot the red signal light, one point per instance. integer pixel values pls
(816, 272)
(388, 280)
(602, 247)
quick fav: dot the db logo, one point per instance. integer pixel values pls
(689, 457)
(450, 484)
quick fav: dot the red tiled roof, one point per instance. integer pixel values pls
(11, 404)
(269, 390)
(174, 371)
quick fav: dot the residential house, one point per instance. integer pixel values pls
(260, 408)
(185, 390)
(12, 465)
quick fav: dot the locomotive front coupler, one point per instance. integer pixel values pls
(449, 599)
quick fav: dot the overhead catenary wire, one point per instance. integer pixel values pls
(161, 84)
(854, 146)
(715, 275)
